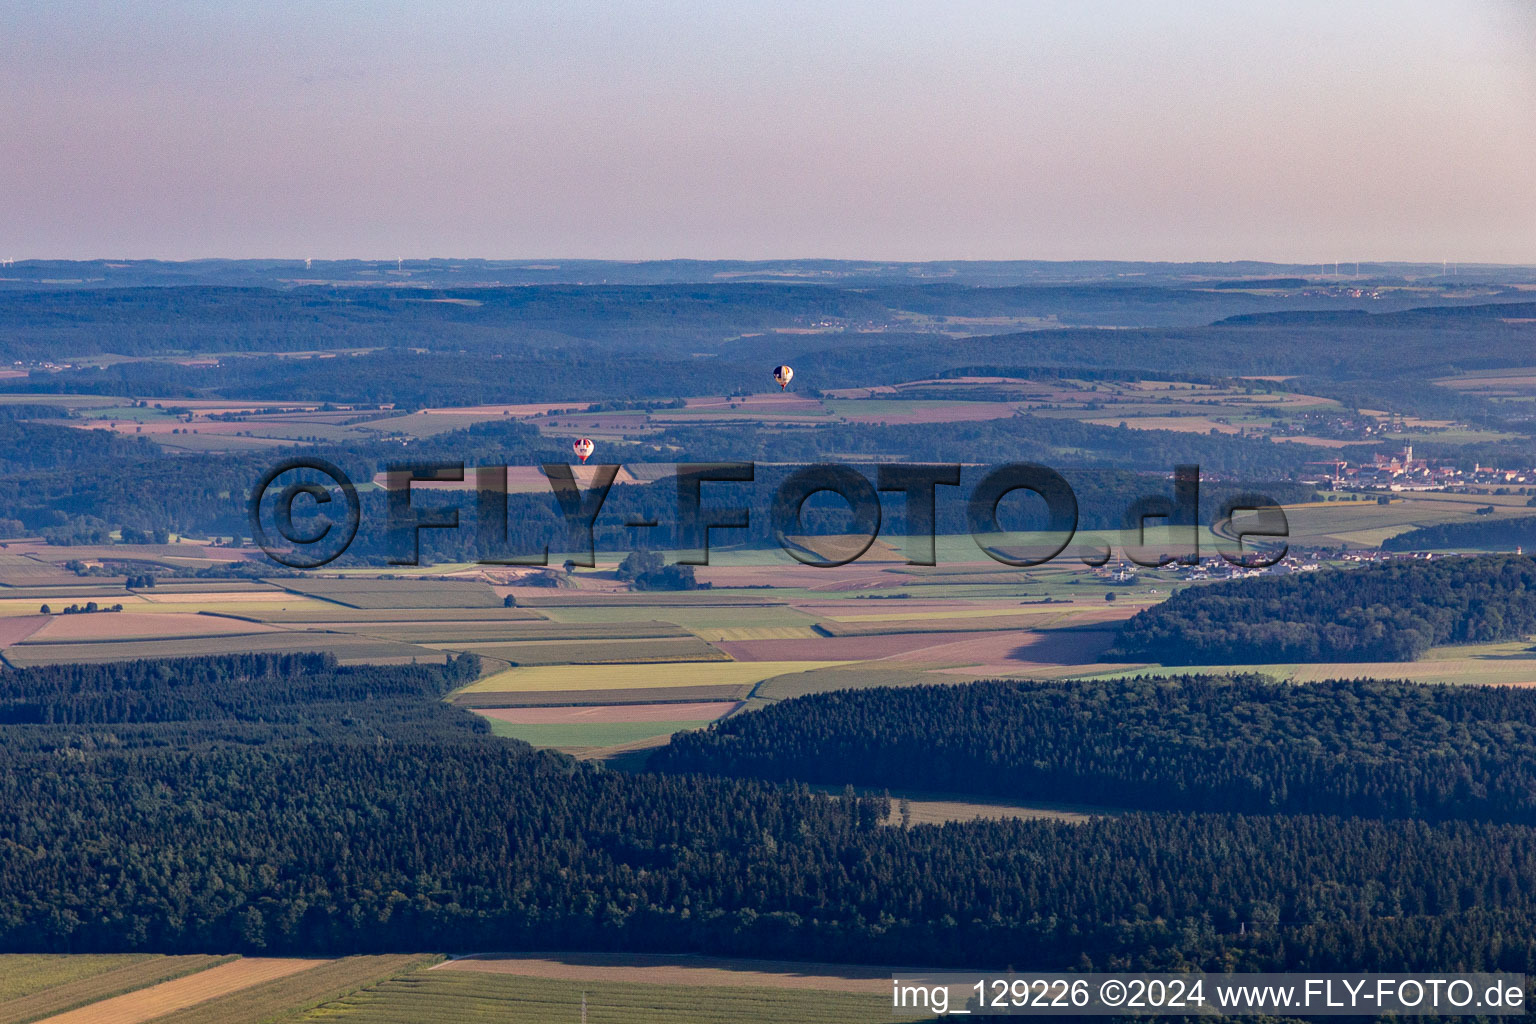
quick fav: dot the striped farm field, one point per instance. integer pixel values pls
(132, 625)
(49, 986)
(449, 997)
(596, 652)
(678, 969)
(313, 611)
(416, 593)
(755, 633)
(505, 632)
(581, 735)
(696, 711)
(22, 974)
(287, 996)
(603, 697)
(156, 1001)
(576, 678)
(691, 619)
(346, 648)
(172, 595)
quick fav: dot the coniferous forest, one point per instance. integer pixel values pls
(1394, 611)
(289, 805)
(1245, 745)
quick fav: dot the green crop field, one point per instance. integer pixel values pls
(346, 648)
(594, 734)
(595, 652)
(511, 632)
(53, 985)
(443, 997)
(728, 617)
(595, 697)
(1498, 664)
(22, 974)
(287, 997)
(577, 678)
(314, 610)
(379, 593)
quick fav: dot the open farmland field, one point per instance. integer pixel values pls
(289, 996)
(133, 625)
(22, 974)
(24, 571)
(378, 593)
(697, 711)
(595, 652)
(348, 649)
(575, 738)
(580, 678)
(574, 699)
(52, 985)
(16, 628)
(580, 729)
(488, 632)
(1365, 524)
(156, 1001)
(254, 604)
(844, 648)
(313, 611)
(1496, 664)
(704, 621)
(451, 997)
(513, 631)
(714, 972)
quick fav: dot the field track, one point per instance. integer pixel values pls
(148, 1003)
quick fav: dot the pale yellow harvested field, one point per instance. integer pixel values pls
(662, 674)
(11, 606)
(167, 997)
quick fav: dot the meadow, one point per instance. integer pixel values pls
(445, 997)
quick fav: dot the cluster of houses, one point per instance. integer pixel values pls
(1403, 472)
(1208, 569)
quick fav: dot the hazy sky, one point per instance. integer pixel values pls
(1180, 130)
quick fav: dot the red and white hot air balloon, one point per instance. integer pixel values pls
(582, 447)
(783, 375)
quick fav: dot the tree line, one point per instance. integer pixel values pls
(1393, 611)
(201, 804)
(1244, 744)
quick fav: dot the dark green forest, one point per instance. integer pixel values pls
(1244, 745)
(1392, 611)
(74, 486)
(565, 342)
(201, 804)
(1506, 534)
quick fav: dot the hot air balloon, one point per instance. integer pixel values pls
(783, 375)
(583, 447)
